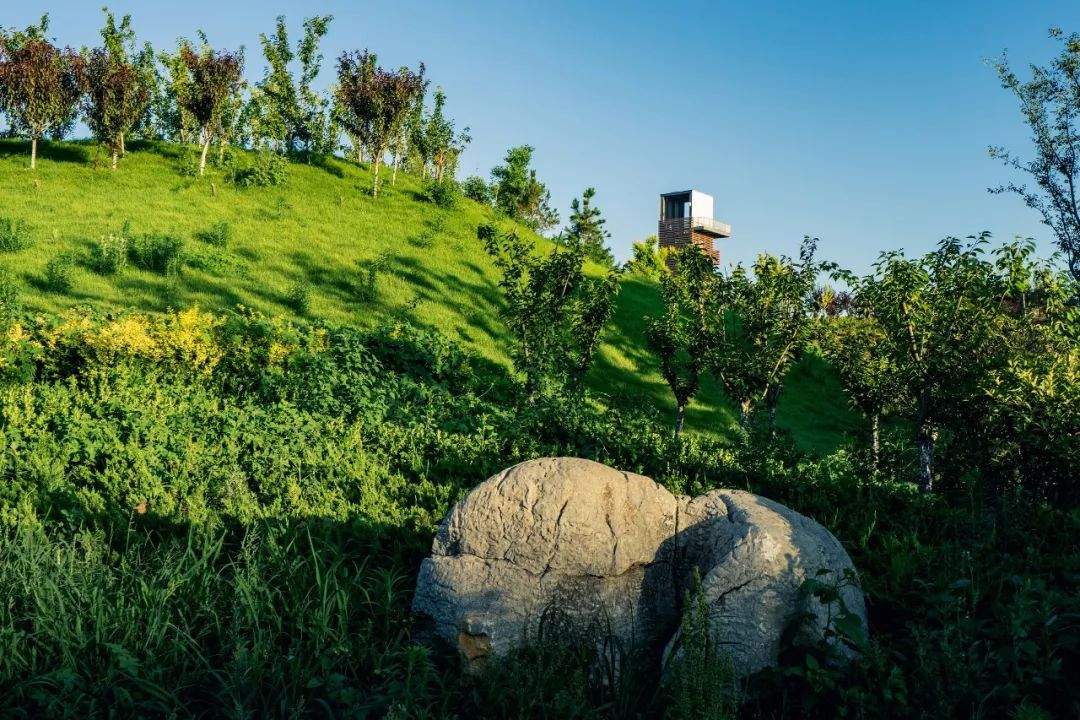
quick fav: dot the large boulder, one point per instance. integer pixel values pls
(614, 554)
(753, 556)
(560, 534)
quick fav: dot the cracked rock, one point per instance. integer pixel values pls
(611, 555)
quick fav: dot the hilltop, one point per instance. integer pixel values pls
(321, 235)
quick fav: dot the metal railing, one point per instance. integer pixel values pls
(697, 223)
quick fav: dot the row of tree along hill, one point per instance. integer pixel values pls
(197, 94)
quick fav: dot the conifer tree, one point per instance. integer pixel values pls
(587, 227)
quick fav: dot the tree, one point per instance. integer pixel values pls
(587, 227)
(519, 194)
(647, 260)
(116, 99)
(288, 115)
(855, 346)
(176, 121)
(763, 325)
(1048, 102)
(372, 104)
(442, 143)
(407, 92)
(936, 316)
(554, 312)
(682, 336)
(215, 81)
(121, 48)
(39, 84)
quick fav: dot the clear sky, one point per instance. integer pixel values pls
(863, 123)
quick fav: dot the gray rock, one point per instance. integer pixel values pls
(613, 555)
(754, 555)
(561, 533)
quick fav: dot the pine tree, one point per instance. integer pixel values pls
(587, 227)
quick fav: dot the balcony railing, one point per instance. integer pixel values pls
(699, 224)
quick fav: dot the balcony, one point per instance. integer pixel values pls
(703, 225)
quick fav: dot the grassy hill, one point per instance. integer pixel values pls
(323, 231)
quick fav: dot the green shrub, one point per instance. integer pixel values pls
(444, 193)
(163, 254)
(217, 262)
(217, 235)
(10, 290)
(474, 188)
(299, 297)
(269, 170)
(14, 235)
(366, 286)
(60, 273)
(109, 255)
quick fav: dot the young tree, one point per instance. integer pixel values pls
(647, 259)
(288, 115)
(443, 144)
(215, 81)
(519, 194)
(555, 313)
(1049, 105)
(936, 315)
(121, 48)
(407, 92)
(764, 324)
(372, 105)
(855, 346)
(116, 98)
(39, 84)
(177, 123)
(682, 336)
(587, 227)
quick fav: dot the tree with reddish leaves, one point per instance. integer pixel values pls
(215, 81)
(374, 103)
(116, 99)
(39, 86)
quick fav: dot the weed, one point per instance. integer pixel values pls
(217, 235)
(14, 235)
(109, 255)
(60, 273)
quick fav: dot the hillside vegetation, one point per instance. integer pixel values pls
(321, 230)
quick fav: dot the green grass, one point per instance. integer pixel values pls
(318, 232)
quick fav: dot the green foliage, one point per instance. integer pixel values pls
(702, 681)
(554, 312)
(366, 285)
(109, 255)
(159, 253)
(210, 94)
(117, 96)
(267, 170)
(299, 297)
(217, 234)
(10, 302)
(283, 112)
(444, 193)
(647, 260)
(474, 188)
(681, 336)
(587, 228)
(518, 193)
(60, 273)
(14, 235)
(1046, 102)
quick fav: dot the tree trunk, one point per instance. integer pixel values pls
(221, 153)
(927, 438)
(202, 160)
(375, 181)
(115, 157)
(33, 153)
(875, 441)
(123, 147)
(744, 413)
(393, 178)
(772, 395)
(680, 417)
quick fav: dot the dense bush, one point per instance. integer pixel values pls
(14, 235)
(234, 510)
(444, 193)
(217, 234)
(109, 255)
(268, 170)
(60, 272)
(163, 254)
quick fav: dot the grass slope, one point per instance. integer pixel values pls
(315, 230)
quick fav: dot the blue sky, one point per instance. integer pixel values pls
(863, 123)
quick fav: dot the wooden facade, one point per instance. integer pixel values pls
(686, 217)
